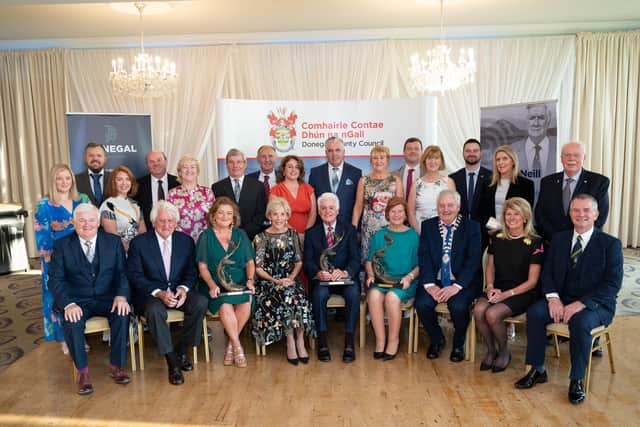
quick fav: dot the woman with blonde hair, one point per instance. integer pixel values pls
(512, 273)
(192, 200)
(372, 195)
(506, 182)
(423, 195)
(51, 221)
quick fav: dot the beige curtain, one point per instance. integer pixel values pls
(33, 133)
(606, 118)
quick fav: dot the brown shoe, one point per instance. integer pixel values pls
(119, 375)
(84, 384)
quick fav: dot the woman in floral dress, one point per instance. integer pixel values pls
(53, 220)
(192, 200)
(282, 307)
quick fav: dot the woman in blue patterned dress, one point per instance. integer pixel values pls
(53, 220)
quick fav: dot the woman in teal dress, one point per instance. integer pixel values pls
(51, 221)
(223, 241)
(394, 249)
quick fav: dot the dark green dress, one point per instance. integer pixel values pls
(399, 258)
(210, 251)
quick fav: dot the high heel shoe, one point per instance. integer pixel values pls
(378, 355)
(386, 356)
(487, 366)
(497, 369)
(304, 360)
(294, 361)
(228, 356)
(239, 359)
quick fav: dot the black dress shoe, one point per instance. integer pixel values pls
(175, 376)
(434, 350)
(577, 393)
(185, 363)
(597, 350)
(532, 378)
(378, 355)
(485, 366)
(388, 356)
(457, 354)
(293, 361)
(497, 369)
(349, 355)
(323, 354)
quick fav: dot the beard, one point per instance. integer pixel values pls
(472, 162)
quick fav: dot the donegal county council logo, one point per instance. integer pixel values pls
(282, 129)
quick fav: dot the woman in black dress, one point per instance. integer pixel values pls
(513, 269)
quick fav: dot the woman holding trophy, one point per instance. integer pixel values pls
(225, 261)
(392, 271)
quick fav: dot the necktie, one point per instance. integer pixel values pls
(97, 188)
(236, 189)
(576, 251)
(408, 184)
(330, 240)
(566, 195)
(89, 250)
(166, 257)
(267, 187)
(470, 189)
(160, 190)
(334, 180)
(445, 267)
(536, 165)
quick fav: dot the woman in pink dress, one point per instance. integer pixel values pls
(192, 200)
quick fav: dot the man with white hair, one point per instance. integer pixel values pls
(161, 268)
(88, 278)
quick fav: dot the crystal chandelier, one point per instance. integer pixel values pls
(437, 72)
(150, 76)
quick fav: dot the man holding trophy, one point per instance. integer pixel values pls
(332, 261)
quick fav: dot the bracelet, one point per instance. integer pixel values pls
(411, 275)
(512, 292)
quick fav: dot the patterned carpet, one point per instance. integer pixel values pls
(21, 308)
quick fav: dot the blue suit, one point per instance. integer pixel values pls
(321, 182)
(595, 281)
(92, 286)
(146, 273)
(465, 258)
(347, 258)
(550, 215)
(482, 178)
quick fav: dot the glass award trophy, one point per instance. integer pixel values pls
(326, 264)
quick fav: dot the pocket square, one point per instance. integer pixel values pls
(348, 182)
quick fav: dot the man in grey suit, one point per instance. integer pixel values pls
(412, 169)
(537, 153)
(92, 181)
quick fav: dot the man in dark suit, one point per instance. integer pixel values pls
(471, 179)
(346, 264)
(450, 251)
(92, 182)
(557, 190)
(580, 280)
(247, 192)
(155, 186)
(161, 268)
(88, 278)
(337, 176)
(266, 174)
(412, 169)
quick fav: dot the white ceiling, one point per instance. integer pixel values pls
(78, 23)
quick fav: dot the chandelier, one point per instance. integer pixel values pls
(150, 76)
(438, 72)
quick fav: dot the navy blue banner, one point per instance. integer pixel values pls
(125, 137)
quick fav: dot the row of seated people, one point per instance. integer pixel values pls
(445, 258)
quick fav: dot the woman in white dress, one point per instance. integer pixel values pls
(424, 194)
(119, 213)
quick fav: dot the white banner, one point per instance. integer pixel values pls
(301, 127)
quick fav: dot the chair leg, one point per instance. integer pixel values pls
(205, 338)
(610, 351)
(588, 376)
(363, 323)
(472, 339)
(556, 345)
(141, 344)
(410, 339)
(195, 355)
(312, 343)
(416, 331)
(132, 348)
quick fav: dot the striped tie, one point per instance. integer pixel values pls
(576, 251)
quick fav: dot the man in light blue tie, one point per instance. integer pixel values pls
(450, 252)
(92, 181)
